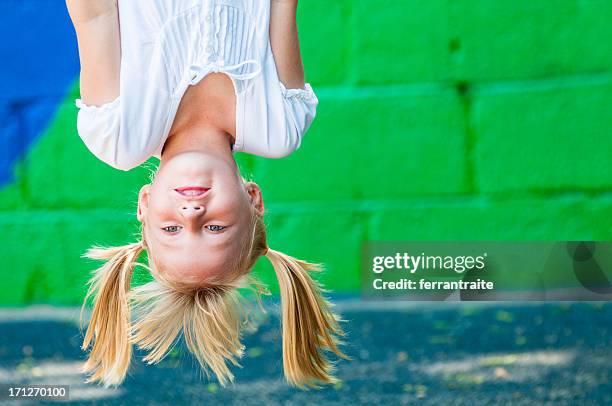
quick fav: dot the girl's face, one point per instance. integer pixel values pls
(197, 216)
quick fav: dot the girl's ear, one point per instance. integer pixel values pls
(143, 202)
(255, 196)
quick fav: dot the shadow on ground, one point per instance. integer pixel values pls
(434, 353)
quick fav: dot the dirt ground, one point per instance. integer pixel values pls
(402, 353)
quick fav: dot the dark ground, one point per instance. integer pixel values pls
(403, 353)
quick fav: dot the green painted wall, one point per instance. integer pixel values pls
(438, 119)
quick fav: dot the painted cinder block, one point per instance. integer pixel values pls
(527, 39)
(39, 49)
(328, 235)
(62, 173)
(325, 41)
(42, 249)
(400, 42)
(474, 219)
(475, 40)
(375, 143)
(13, 144)
(80, 230)
(543, 136)
(600, 210)
(27, 258)
(23, 120)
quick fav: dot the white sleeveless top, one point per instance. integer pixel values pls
(167, 46)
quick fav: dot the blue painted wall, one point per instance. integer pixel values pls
(39, 63)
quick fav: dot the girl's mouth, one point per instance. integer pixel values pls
(192, 191)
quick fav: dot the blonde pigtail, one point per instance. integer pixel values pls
(107, 333)
(211, 327)
(308, 323)
(210, 319)
(159, 313)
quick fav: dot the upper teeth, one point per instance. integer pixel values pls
(191, 192)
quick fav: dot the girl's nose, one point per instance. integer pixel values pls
(191, 210)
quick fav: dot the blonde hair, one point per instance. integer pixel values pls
(211, 318)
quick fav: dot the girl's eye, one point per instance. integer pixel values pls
(215, 228)
(171, 229)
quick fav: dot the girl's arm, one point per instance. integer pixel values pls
(285, 43)
(96, 23)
